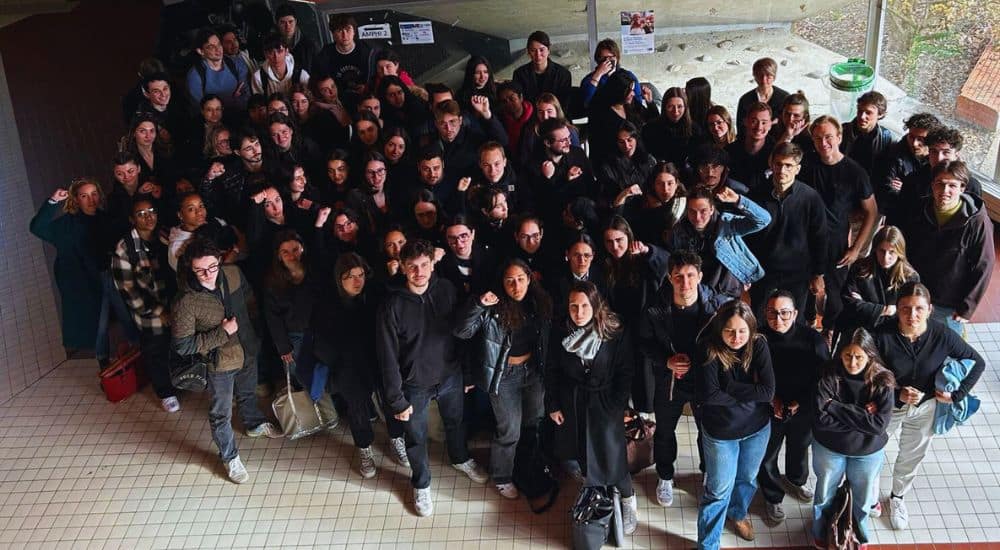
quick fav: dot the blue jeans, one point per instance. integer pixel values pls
(112, 303)
(519, 402)
(221, 387)
(450, 395)
(943, 314)
(731, 467)
(862, 474)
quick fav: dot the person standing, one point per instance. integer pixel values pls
(541, 74)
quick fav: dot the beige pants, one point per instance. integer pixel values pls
(916, 429)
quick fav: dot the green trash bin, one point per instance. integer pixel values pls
(849, 81)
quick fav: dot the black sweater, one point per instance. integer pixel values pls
(797, 357)
(793, 245)
(737, 403)
(290, 310)
(414, 339)
(917, 363)
(842, 422)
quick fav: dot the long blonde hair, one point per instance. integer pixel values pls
(901, 271)
(717, 347)
(72, 206)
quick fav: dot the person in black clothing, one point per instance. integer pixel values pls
(338, 183)
(699, 96)
(944, 145)
(171, 114)
(629, 165)
(400, 107)
(669, 136)
(634, 272)
(288, 146)
(317, 124)
(530, 246)
(865, 140)
(496, 232)
(845, 188)
(765, 70)
(460, 144)
(793, 123)
(348, 233)
(478, 81)
(660, 203)
(791, 248)
(853, 407)
(872, 284)
(268, 216)
(587, 377)
(667, 335)
(351, 63)
(416, 354)
(344, 342)
(228, 183)
(797, 356)
(542, 74)
(372, 201)
(513, 333)
(737, 386)
(560, 173)
(903, 158)
(469, 266)
(496, 172)
(302, 47)
(750, 153)
(612, 107)
(125, 188)
(915, 350)
(710, 169)
(579, 266)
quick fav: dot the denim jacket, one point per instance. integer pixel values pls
(729, 227)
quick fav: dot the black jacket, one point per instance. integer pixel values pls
(344, 339)
(737, 403)
(875, 295)
(797, 358)
(842, 423)
(747, 100)
(494, 342)
(794, 243)
(866, 150)
(556, 80)
(482, 272)
(621, 172)
(414, 339)
(290, 310)
(552, 194)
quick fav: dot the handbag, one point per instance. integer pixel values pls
(532, 475)
(299, 415)
(122, 377)
(841, 527)
(592, 515)
(638, 441)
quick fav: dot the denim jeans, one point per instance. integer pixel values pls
(519, 402)
(112, 303)
(731, 467)
(221, 387)
(862, 473)
(450, 395)
(943, 314)
(796, 434)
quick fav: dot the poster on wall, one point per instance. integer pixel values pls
(637, 32)
(376, 31)
(416, 32)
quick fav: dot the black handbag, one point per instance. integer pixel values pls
(592, 515)
(190, 372)
(532, 475)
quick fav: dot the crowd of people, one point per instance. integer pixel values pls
(794, 280)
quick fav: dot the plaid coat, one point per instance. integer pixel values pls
(141, 276)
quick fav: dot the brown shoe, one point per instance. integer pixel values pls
(744, 528)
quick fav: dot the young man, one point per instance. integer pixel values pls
(792, 248)
(865, 140)
(748, 155)
(460, 143)
(349, 62)
(280, 71)
(496, 172)
(903, 158)
(417, 357)
(226, 185)
(667, 334)
(944, 144)
(214, 73)
(302, 48)
(845, 188)
(765, 70)
(541, 74)
(797, 357)
(559, 172)
(158, 101)
(515, 111)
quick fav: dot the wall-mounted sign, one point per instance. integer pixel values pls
(377, 31)
(416, 32)
(637, 32)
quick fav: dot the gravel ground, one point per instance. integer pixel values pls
(934, 82)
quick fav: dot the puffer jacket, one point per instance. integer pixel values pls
(197, 322)
(494, 342)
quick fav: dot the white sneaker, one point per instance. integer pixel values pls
(472, 469)
(367, 459)
(267, 430)
(899, 516)
(237, 471)
(801, 492)
(630, 514)
(507, 490)
(170, 404)
(398, 445)
(665, 492)
(875, 511)
(422, 502)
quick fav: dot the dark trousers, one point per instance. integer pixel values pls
(450, 396)
(834, 281)
(518, 403)
(155, 349)
(796, 433)
(668, 413)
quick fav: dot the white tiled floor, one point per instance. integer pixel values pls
(77, 471)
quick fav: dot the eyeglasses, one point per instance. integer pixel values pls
(530, 236)
(583, 256)
(207, 271)
(561, 140)
(375, 173)
(343, 226)
(146, 213)
(460, 238)
(783, 314)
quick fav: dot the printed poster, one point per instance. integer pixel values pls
(416, 32)
(637, 32)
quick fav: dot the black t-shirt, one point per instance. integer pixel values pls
(685, 325)
(843, 186)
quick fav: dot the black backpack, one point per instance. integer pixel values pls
(532, 475)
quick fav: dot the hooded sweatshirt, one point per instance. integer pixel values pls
(843, 424)
(271, 83)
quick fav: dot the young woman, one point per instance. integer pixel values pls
(853, 407)
(658, 204)
(299, 191)
(873, 282)
(211, 319)
(317, 124)
(348, 233)
(75, 223)
(372, 201)
(400, 107)
(735, 400)
(613, 105)
(588, 374)
(427, 219)
(367, 134)
(629, 165)
(669, 136)
(719, 126)
(512, 333)
(193, 216)
(142, 141)
(338, 183)
(345, 343)
(699, 95)
(399, 163)
(914, 349)
(478, 81)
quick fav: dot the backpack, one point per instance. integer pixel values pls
(199, 67)
(532, 475)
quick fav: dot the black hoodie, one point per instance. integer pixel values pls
(414, 339)
(842, 423)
